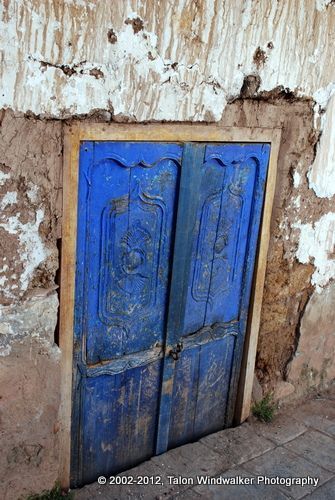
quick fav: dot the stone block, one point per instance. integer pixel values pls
(237, 445)
(283, 463)
(193, 459)
(317, 413)
(325, 492)
(126, 491)
(234, 492)
(315, 447)
(282, 429)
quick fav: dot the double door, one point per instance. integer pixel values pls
(166, 243)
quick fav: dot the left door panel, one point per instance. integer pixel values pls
(126, 219)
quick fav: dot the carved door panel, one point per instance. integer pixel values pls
(126, 217)
(216, 240)
(166, 243)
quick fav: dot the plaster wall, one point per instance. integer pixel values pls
(30, 189)
(250, 63)
(170, 60)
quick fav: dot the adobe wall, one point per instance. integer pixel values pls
(30, 194)
(185, 61)
(285, 364)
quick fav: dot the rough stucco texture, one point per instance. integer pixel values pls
(172, 60)
(287, 284)
(314, 359)
(30, 194)
(30, 172)
(29, 400)
(322, 173)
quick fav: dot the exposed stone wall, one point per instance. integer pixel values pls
(251, 63)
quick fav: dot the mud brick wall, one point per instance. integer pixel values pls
(30, 194)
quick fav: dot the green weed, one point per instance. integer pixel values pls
(55, 494)
(265, 409)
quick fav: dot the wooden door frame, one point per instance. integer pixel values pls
(77, 132)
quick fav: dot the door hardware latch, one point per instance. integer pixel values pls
(174, 353)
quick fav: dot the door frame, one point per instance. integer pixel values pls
(77, 132)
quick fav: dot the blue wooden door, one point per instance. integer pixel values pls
(222, 189)
(166, 243)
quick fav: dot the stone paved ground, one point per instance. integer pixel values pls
(299, 442)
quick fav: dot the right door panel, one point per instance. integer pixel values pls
(222, 250)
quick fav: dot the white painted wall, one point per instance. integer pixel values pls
(322, 173)
(213, 42)
(317, 244)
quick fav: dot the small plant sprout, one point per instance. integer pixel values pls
(55, 494)
(265, 409)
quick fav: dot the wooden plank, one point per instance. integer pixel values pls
(119, 415)
(193, 156)
(216, 359)
(200, 390)
(184, 398)
(170, 132)
(249, 265)
(243, 402)
(69, 231)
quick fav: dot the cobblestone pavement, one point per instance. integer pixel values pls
(300, 442)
